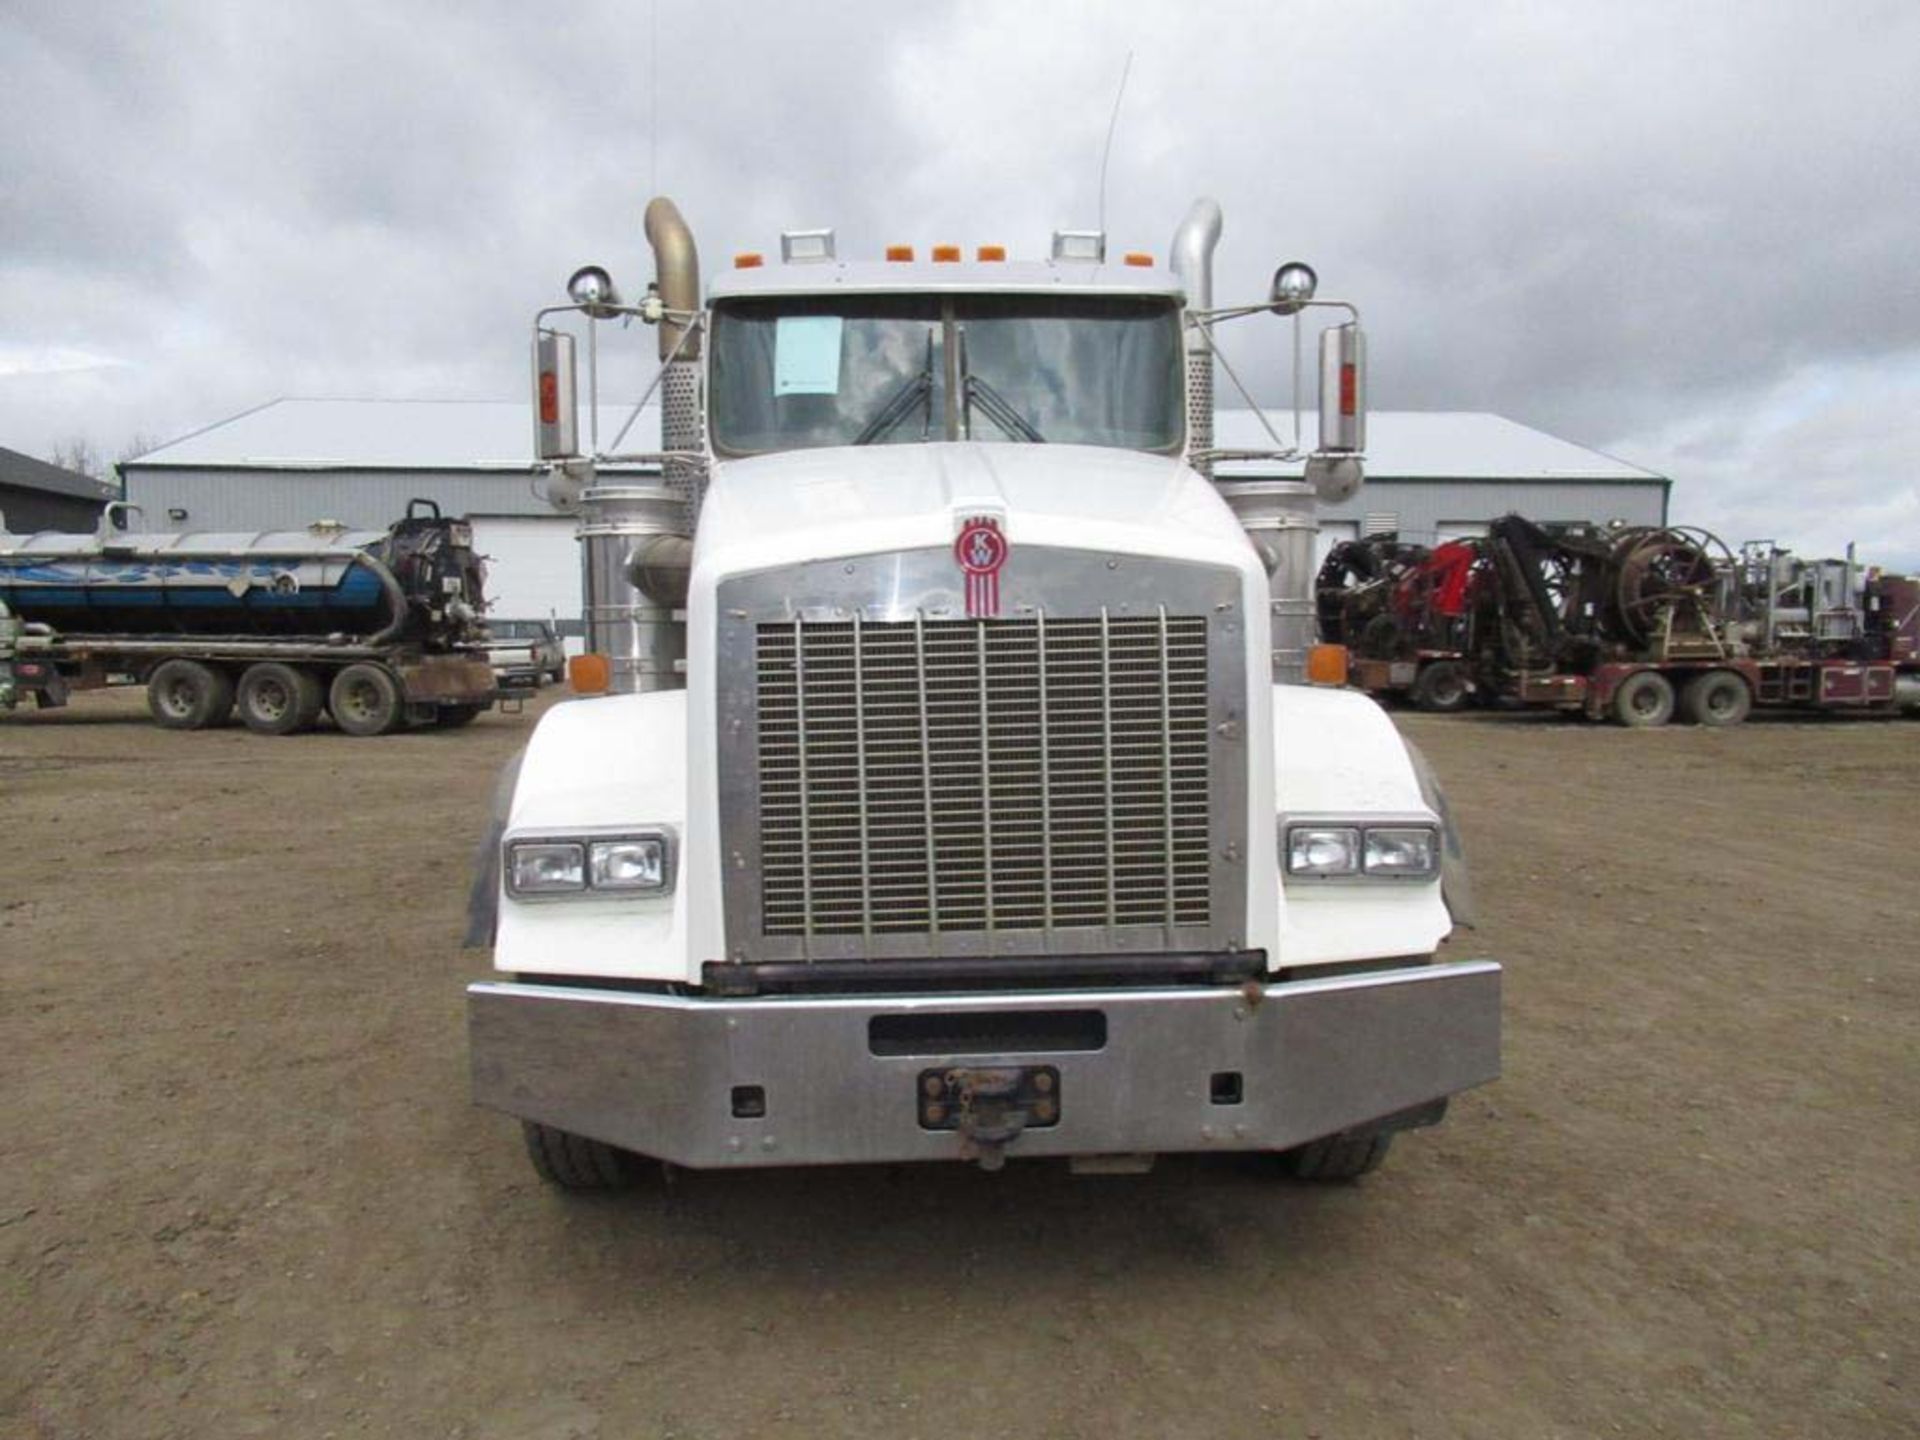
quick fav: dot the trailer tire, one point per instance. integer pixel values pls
(573, 1162)
(1644, 699)
(366, 700)
(276, 699)
(1442, 687)
(187, 695)
(1337, 1158)
(1718, 697)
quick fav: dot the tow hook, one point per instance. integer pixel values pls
(989, 1107)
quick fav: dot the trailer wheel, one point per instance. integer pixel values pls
(276, 699)
(573, 1162)
(1644, 699)
(1442, 687)
(1337, 1157)
(1719, 697)
(186, 695)
(365, 700)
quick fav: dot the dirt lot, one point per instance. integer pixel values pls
(242, 1193)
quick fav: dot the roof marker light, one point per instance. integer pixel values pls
(946, 254)
(990, 253)
(1139, 257)
(748, 260)
(803, 246)
(899, 252)
(1089, 246)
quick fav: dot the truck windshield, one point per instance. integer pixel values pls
(797, 372)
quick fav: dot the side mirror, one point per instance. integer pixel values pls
(591, 288)
(1293, 285)
(556, 408)
(1343, 389)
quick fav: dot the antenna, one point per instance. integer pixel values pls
(653, 98)
(1107, 150)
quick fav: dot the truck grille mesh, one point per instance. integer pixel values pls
(924, 776)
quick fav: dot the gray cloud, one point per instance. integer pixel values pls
(1679, 233)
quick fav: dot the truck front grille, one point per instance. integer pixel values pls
(926, 777)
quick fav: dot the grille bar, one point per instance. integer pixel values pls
(939, 776)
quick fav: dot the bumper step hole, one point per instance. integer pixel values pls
(749, 1102)
(1227, 1087)
(985, 1032)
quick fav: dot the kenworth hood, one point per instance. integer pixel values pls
(775, 510)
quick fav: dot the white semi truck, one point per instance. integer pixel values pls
(958, 794)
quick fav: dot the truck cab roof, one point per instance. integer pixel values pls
(1067, 277)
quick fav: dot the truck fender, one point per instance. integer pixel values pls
(483, 899)
(1455, 886)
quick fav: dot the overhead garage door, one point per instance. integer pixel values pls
(533, 567)
(1458, 530)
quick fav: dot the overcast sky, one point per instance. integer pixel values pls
(1685, 234)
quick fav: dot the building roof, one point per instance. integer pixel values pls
(23, 472)
(1429, 445)
(497, 435)
(298, 434)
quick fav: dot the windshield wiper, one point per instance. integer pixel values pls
(916, 390)
(993, 405)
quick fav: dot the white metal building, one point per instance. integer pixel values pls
(291, 462)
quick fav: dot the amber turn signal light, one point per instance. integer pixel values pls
(590, 674)
(1327, 665)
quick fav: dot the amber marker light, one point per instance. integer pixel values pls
(590, 674)
(990, 254)
(749, 260)
(946, 254)
(1139, 257)
(899, 252)
(1327, 665)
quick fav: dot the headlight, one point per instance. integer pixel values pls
(1401, 850)
(546, 867)
(628, 864)
(1312, 850)
(1367, 852)
(621, 863)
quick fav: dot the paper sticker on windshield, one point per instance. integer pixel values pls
(806, 355)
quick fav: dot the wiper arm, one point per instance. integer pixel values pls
(916, 390)
(992, 404)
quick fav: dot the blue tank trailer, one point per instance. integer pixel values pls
(380, 629)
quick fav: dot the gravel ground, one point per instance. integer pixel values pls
(242, 1191)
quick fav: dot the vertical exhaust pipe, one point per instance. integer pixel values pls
(677, 277)
(636, 545)
(1191, 255)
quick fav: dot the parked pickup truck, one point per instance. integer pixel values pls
(525, 654)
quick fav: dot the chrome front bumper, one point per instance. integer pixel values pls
(665, 1075)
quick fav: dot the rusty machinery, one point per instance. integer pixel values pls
(1406, 613)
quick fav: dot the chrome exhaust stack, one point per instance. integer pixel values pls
(682, 419)
(636, 545)
(1279, 516)
(1191, 255)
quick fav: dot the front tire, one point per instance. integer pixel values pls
(186, 695)
(365, 700)
(276, 699)
(1644, 699)
(575, 1163)
(1336, 1159)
